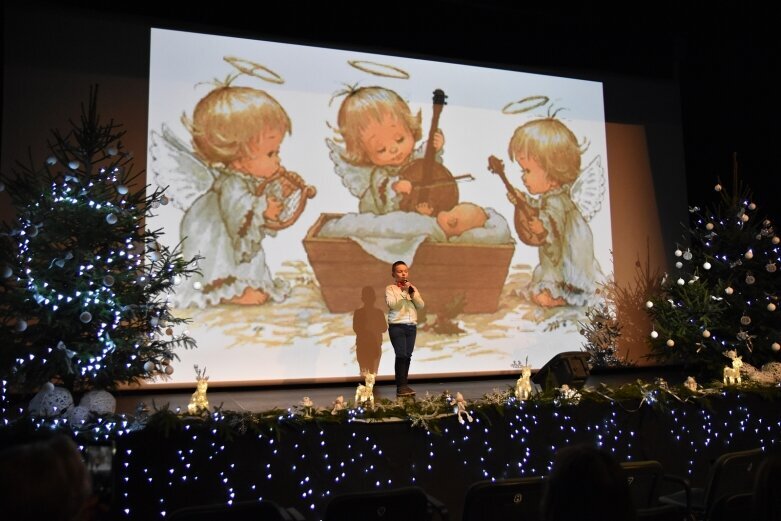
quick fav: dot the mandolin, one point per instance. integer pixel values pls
(524, 212)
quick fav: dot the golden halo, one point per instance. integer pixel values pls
(379, 69)
(251, 69)
(525, 105)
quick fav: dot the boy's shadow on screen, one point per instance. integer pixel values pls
(369, 324)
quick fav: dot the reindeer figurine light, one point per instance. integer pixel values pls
(523, 387)
(365, 392)
(199, 402)
(732, 374)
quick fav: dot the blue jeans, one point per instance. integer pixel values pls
(402, 337)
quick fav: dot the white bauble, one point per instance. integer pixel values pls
(78, 415)
(654, 334)
(99, 402)
(775, 346)
(728, 290)
(52, 403)
(771, 307)
(670, 343)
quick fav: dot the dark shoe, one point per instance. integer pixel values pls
(405, 390)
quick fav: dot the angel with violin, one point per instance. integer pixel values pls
(554, 215)
(234, 192)
(380, 136)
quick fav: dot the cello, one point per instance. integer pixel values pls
(432, 183)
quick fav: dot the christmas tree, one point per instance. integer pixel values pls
(84, 283)
(723, 295)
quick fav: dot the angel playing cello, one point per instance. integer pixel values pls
(234, 193)
(380, 135)
(555, 216)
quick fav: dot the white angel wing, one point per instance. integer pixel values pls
(588, 191)
(355, 178)
(174, 165)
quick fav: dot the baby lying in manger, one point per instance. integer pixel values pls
(397, 235)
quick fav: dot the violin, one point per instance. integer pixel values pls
(432, 182)
(524, 212)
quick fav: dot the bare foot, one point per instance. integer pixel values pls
(546, 300)
(250, 297)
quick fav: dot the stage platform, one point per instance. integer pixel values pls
(257, 399)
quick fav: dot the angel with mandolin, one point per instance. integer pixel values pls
(553, 216)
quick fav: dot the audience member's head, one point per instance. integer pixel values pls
(767, 501)
(44, 480)
(586, 484)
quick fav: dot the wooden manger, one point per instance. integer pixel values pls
(444, 271)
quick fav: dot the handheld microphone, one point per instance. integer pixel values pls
(410, 289)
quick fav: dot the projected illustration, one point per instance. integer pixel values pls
(489, 184)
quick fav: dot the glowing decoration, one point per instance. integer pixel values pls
(649, 304)
(706, 265)
(709, 226)
(51, 160)
(691, 384)
(732, 373)
(307, 406)
(744, 217)
(775, 346)
(78, 415)
(338, 405)
(775, 240)
(678, 253)
(749, 254)
(73, 165)
(523, 387)
(681, 282)
(717, 188)
(459, 408)
(771, 307)
(671, 343)
(122, 190)
(706, 334)
(728, 290)
(197, 286)
(198, 401)
(364, 393)
(654, 334)
(566, 393)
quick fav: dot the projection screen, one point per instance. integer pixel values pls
(301, 173)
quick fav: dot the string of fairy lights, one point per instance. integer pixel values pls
(302, 462)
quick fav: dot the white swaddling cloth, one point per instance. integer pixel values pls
(397, 235)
